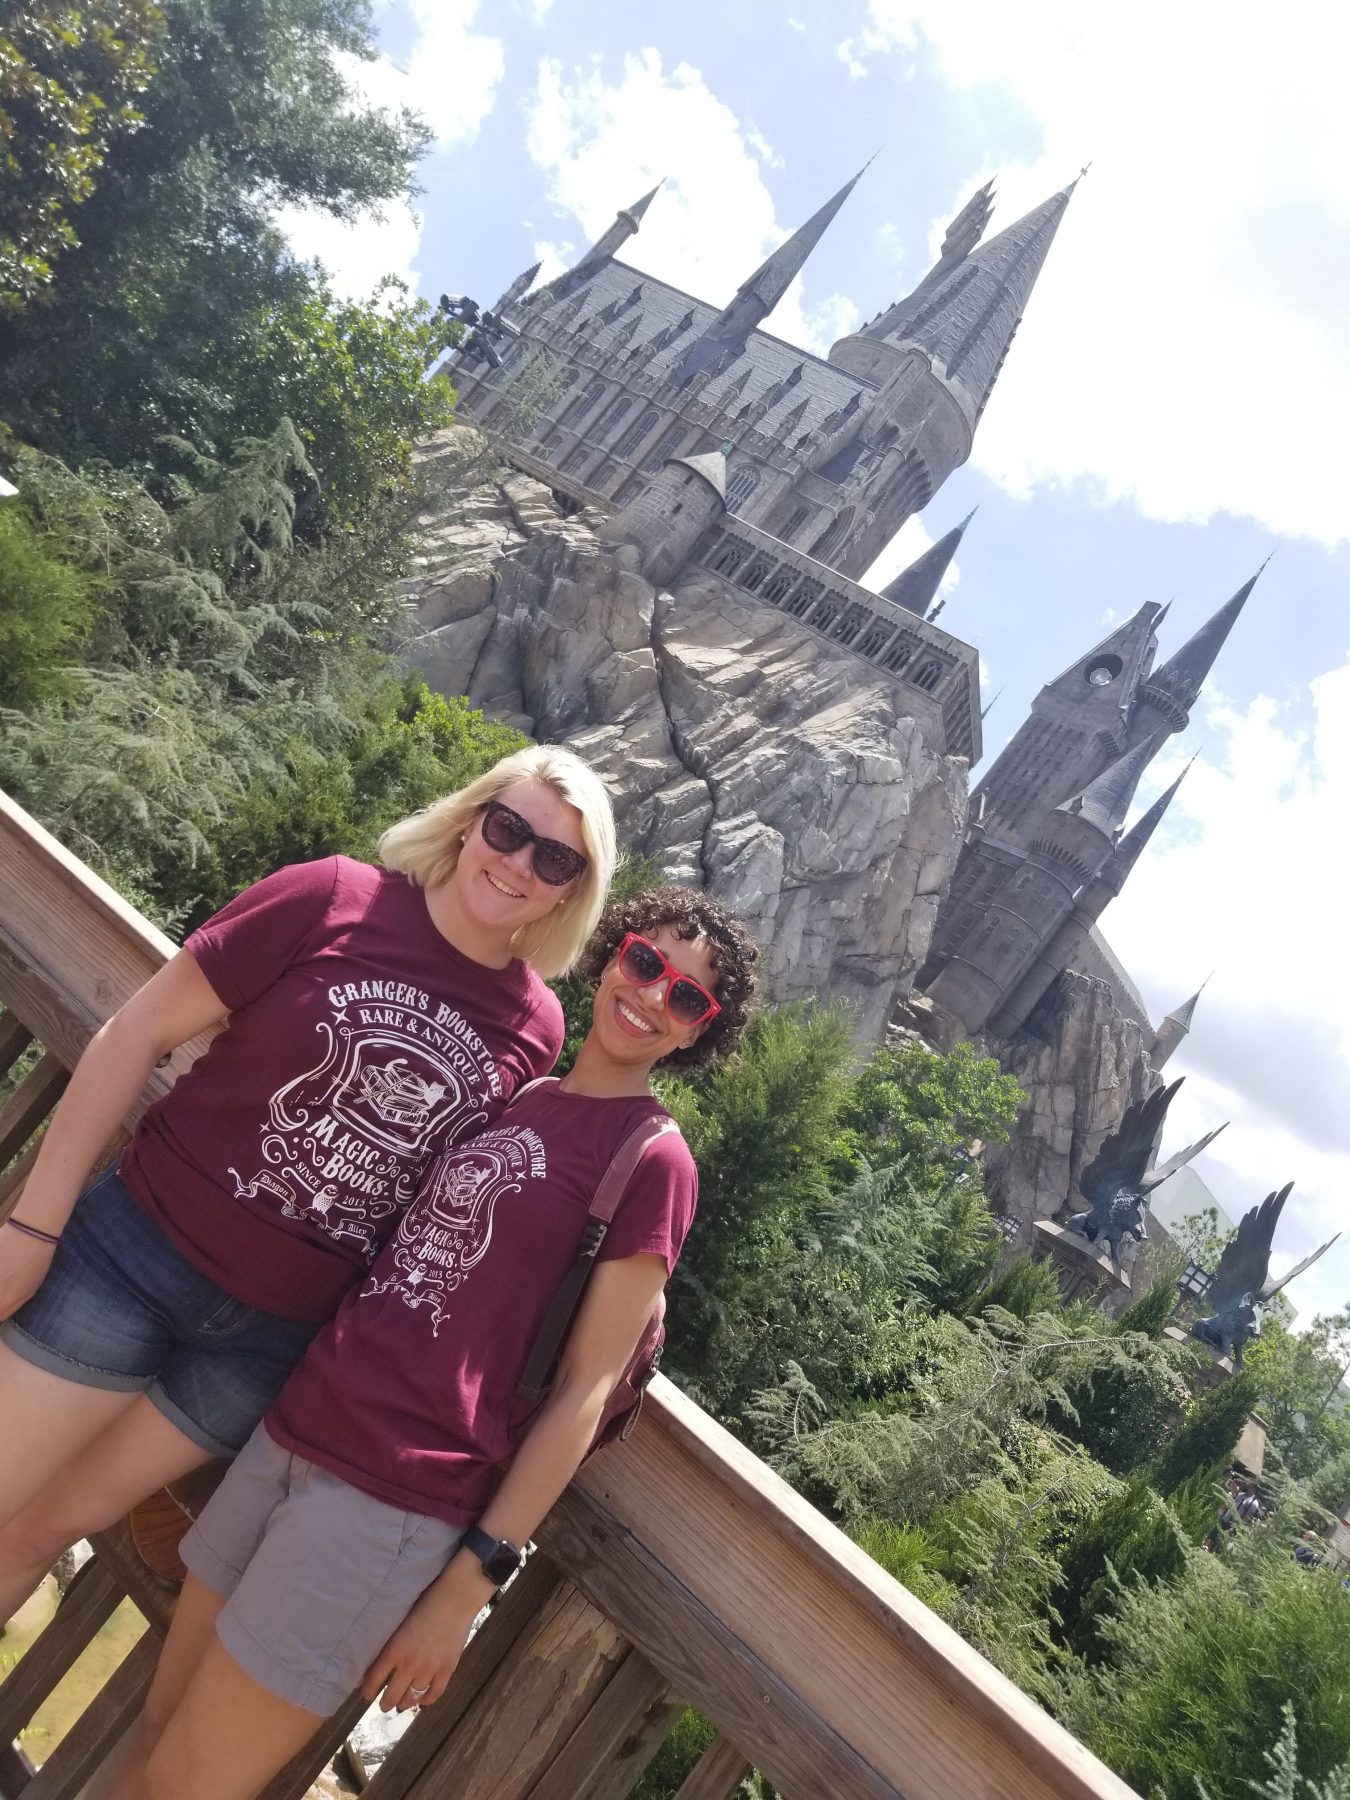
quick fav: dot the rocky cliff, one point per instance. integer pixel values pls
(742, 752)
(1080, 1063)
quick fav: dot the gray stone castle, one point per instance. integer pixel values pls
(721, 452)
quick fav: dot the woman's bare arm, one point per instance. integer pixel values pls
(620, 1298)
(173, 1006)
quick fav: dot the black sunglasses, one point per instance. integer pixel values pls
(553, 862)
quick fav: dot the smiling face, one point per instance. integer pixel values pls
(631, 1024)
(498, 891)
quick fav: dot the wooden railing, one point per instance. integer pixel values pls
(677, 1569)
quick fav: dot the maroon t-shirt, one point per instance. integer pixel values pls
(360, 1045)
(410, 1393)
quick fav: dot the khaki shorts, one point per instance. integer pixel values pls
(316, 1575)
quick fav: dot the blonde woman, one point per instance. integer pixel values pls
(376, 1015)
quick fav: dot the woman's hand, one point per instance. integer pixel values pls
(24, 1263)
(415, 1666)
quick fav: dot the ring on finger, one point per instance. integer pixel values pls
(417, 1692)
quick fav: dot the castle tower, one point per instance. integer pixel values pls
(1025, 910)
(672, 513)
(1166, 699)
(1078, 723)
(933, 359)
(725, 338)
(1062, 948)
(916, 587)
(1173, 1029)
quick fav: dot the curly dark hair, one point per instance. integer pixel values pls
(690, 913)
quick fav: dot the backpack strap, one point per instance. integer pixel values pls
(604, 1204)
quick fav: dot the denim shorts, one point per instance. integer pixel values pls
(121, 1308)
(316, 1575)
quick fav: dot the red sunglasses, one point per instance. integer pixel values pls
(642, 963)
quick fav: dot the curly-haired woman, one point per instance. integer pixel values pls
(368, 1519)
(376, 1016)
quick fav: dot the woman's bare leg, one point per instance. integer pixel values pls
(192, 1629)
(226, 1738)
(134, 1452)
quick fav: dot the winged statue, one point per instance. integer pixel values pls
(1118, 1181)
(1242, 1281)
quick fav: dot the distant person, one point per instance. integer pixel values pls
(376, 1016)
(371, 1516)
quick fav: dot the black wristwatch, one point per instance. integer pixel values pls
(500, 1560)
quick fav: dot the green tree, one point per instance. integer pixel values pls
(179, 283)
(1206, 1437)
(1021, 1287)
(1200, 1669)
(70, 75)
(912, 1102)
(46, 609)
(1297, 1375)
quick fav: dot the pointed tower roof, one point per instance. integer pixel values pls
(1119, 865)
(711, 465)
(1105, 801)
(966, 321)
(962, 235)
(776, 273)
(519, 287)
(1123, 654)
(634, 213)
(725, 338)
(1182, 1015)
(1183, 675)
(915, 588)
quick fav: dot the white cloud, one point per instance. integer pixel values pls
(451, 79)
(604, 143)
(1246, 878)
(1186, 348)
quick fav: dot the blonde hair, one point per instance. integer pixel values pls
(425, 847)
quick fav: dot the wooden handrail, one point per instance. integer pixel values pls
(825, 1672)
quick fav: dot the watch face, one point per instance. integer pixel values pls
(503, 1563)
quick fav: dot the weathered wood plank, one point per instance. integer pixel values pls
(29, 1105)
(717, 1774)
(117, 1553)
(540, 1693)
(11, 1182)
(630, 1761)
(801, 1751)
(15, 1037)
(624, 1706)
(100, 1726)
(87, 1605)
(806, 1603)
(532, 1598)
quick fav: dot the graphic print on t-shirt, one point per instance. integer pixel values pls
(447, 1232)
(400, 1074)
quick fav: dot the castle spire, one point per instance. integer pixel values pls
(962, 235)
(965, 321)
(518, 288)
(1174, 1028)
(1105, 801)
(1184, 674)
(1120, 864)
(915, 588)
(1166, 699)
(626, 222)
(759, 293)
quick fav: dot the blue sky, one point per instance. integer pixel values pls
(1172, 410)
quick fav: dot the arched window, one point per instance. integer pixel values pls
(795, 520)
(575, 457)
(739, 489)
(728, 558)
(576, 409)
(633, 485)
(758, 572)
(832, 535)
(608, 420)
(665, 446)
(635, 433)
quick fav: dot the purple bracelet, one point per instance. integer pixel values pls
(43, 1237)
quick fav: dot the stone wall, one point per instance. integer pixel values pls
(743, 752)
